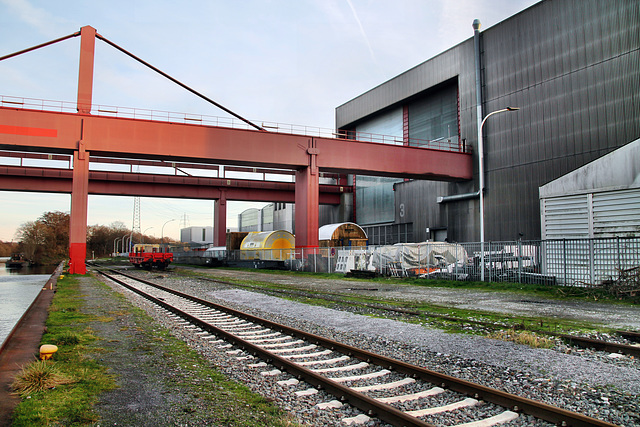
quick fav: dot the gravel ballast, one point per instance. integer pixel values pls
(585, 381)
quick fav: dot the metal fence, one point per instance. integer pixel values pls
(579, 262)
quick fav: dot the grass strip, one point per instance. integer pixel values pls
(203, 394)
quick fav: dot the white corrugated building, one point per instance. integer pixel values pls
(590, 219)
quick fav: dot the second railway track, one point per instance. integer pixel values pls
(381, 387)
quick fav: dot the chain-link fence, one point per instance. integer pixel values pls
(580, 262)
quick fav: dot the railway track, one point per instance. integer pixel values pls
(578, 341)
(390, 390)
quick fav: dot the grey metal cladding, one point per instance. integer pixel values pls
(573, 66)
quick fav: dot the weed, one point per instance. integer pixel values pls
(523, 337)
(38, 376)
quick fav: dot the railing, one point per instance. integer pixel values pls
(445, 144)
(583, 262)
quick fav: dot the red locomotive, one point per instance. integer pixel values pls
(147, 256)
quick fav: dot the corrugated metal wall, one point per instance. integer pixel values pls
(613, 213)
(572, 66)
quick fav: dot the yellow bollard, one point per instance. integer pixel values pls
(47, 350)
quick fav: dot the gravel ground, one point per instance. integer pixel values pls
(588, 382)
(605, 314)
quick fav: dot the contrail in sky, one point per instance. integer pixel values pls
(366, 39)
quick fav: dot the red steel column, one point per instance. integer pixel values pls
(307, 201)
(78, 217)
(80, 184)
(220, 220)
(85, 74)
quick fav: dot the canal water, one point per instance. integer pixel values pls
(18, 289)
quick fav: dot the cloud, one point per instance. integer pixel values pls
(38, 18)
(364, 34)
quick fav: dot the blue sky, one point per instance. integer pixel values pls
(280, 61)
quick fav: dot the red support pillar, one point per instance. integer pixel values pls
(220, 220)
(85, 74)
(80, 184)
(307, 201)
(78, 217)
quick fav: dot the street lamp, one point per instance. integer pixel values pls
(481, 182)
(142, 237)
(162, 230)
(124, 241)
(115, 247)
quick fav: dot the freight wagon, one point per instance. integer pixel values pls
(150, 255)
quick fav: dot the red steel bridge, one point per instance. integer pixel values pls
(88, 137)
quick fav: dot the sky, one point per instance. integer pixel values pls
(283, 61)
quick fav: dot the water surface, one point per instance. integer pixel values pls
(18, 289)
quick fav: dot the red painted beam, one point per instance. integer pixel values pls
(55, 132)
(363, 158)
(49, 180)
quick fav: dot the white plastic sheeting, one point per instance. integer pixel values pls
(417, 256)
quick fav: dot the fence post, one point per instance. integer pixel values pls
(490, 263)
(519, 261)
(564, 259)
(619, 254)
(592, 268)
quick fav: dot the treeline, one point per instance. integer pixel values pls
(8, 248)
(46, 240)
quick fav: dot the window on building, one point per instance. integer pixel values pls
(434, 117)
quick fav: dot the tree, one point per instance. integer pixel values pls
(100, 238)
(45, 240)
(8, 248)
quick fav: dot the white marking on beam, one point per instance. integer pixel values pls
(502, 418)
(308, 392)
(414, 396)
(305, 355)
(357, 420)
(323, 361)
(386, 386)
(329, 405)
(290, 381)
(378, 374)
(345, 368)
(468, 402)
(291, 350)
(271, 373)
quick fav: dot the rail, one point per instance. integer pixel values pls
(444, 144)
(373, 406)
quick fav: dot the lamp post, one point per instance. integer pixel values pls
(124, 241)
(162, 230)
(142, 237)
(481, 182)
(115, 245)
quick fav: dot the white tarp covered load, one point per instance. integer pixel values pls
(418, 256)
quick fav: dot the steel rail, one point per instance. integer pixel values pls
(583, 342)
(601, 345)
(371, 406)
(630, 335)
(516, 403)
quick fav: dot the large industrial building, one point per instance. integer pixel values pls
(572, 67)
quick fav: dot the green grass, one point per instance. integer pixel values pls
(80, 377)
(71, 402)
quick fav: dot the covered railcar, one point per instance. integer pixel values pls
(267, 246)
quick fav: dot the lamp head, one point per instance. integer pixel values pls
(513, 108)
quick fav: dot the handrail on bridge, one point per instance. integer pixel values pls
(445, 144)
